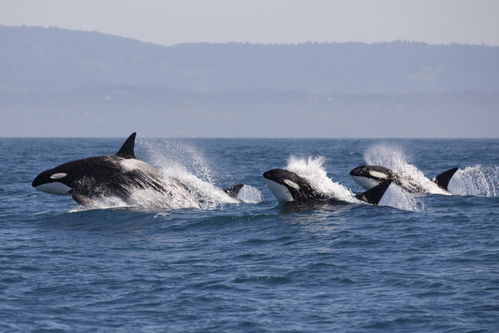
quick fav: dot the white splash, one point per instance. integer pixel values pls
(180, 155)
(313, 170)
(249, 194)
(185, 185)
(475, 180)
(393, 157)
(396, 197)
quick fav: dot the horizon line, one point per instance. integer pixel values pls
(251, 137)
(256, 43)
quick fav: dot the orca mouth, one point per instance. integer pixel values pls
(39, 180)
(279, 182)
(54, 188)
(44, 183)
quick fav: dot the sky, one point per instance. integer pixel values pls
(170, 22)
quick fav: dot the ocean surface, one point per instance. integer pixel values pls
(427, 263)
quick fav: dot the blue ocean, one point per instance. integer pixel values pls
(417, 263)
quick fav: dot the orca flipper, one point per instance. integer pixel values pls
(81, 199)
(374, 195)
(234, 190)
(443, 179)
(127, 150)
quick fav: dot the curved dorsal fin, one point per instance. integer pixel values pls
(374, 195)
(127, 150)
(443, 179)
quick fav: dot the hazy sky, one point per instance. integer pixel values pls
(267, 21)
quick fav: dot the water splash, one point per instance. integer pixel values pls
(186, 180)
(396, 197)
(313, 170)
(249, 194)
(475, 180)
(393, 157)
(171, 155)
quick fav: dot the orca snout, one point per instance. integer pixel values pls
(358, 171)
(270, 174)
(279, 175)
(50, 182)
(42, 178)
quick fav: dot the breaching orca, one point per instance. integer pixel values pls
(287, 186)
(369, 176)
(115, 175)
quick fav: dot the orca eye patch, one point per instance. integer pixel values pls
(292, 184)
(58, 175)
(377, 174)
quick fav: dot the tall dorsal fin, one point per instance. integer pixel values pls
(374, 195)
(234, 190)
(443, 179)
(127, 150)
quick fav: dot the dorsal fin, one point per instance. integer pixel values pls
(127, 150)
(443, 179)
(374, 195)
(234, 190)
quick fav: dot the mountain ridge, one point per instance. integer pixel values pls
(59, 59)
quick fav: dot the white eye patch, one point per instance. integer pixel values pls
(292, 184)
(58, 175)
(377, 174)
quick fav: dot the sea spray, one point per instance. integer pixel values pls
(249, 194)
(393, 157)
(313, 170)
(189, 165)
(396, 197)
(475, 180)
(172, 154)
(186, 182)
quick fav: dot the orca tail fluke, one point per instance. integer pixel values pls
(128, 148)
(234, 190)
(444, 178)
(374, 195)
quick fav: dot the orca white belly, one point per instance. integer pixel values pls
(365, 182)
(281, 193)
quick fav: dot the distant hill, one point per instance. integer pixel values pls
(56, 82)
(51, 59)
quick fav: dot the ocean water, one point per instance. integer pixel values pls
(417, 264)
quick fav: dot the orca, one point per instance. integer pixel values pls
(287, 187)
(115, 175)
(369, 176)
